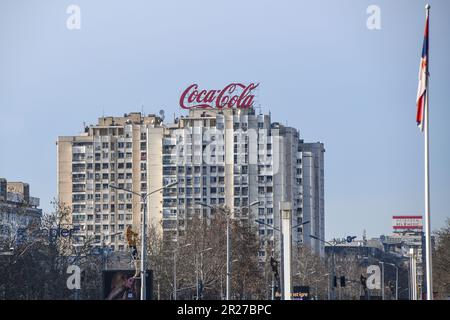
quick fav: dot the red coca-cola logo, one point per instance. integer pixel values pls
(228, 97)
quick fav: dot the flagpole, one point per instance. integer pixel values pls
(429, 268)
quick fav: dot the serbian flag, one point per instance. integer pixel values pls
(423, 77)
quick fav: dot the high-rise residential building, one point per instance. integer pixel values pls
(18, 210)
(229, 157)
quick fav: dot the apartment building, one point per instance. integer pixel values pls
(18, 210)
(230, 157)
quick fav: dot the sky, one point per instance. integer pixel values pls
(320, 69)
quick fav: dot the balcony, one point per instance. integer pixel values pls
(169, 141)
(170, 194)
(78, 158)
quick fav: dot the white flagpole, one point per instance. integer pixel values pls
(429, 268)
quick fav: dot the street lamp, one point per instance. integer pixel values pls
(201, 270)
(227, 214)
(281, 245)
(175, 251)
(396, 278)
(332, 261)
(143, 231)
(382, 280)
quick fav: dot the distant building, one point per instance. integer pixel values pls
(408, 240)
(17, 208)
(352, 260)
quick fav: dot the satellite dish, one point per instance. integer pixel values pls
(161, 114)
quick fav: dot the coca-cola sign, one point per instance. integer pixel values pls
(234, 95)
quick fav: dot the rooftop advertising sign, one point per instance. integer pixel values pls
(234, 95)
(400, 223)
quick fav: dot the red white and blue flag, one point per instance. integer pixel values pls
(423, 81)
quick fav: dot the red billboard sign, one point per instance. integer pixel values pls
(234, 95)
(401, 223)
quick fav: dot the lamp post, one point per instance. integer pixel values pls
(413, 270)
(228, 235)
(143, 232)
(396, 279)
(175, 251)
(382, 280)
(333, 266)
(281, 249)
(200, 270)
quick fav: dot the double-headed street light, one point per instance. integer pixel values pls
(282, 263)
(383, 279)
(227, 214)
(332, 261)
(200, 270)
(143, 231)
(175, 251)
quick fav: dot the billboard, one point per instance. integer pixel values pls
(121, 285)
(300, 293)
(403, 223)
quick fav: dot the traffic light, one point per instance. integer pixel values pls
(274, 265)
(363, 282)
(335, 281)
(343, 281)
(391, 285)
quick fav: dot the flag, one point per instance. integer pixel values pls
(423, 80)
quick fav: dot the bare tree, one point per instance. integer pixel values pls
(201, 261)
(441, 262)
(309, 270)
(37, 267)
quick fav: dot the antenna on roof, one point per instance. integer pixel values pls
(142, 110)
(161, 114)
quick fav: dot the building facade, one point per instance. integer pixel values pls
(410, 245)
(18, 210)
(230, 157)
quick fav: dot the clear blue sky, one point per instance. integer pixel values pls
(320, 68)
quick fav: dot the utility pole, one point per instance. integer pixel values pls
(175, 252)
(227, 213)
(382, 280)
(174, 275)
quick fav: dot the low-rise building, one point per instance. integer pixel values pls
(18, 209)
